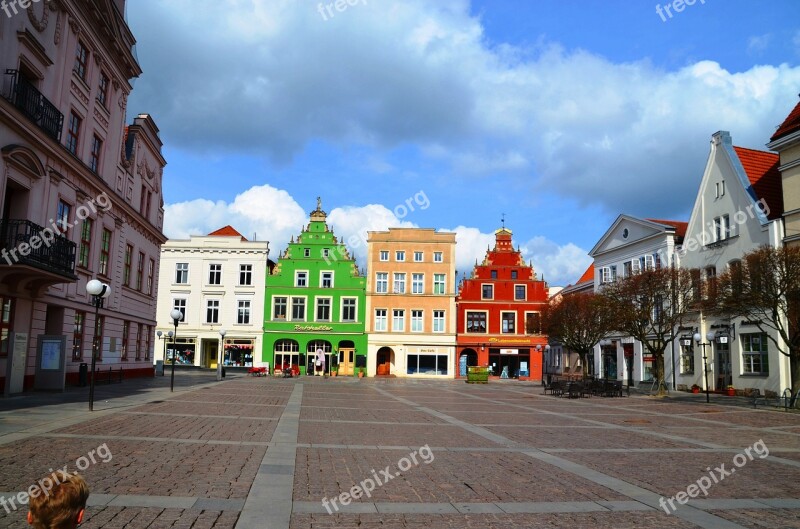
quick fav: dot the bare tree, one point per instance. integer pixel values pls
(649, 306)
(764, 288)
(579, 321)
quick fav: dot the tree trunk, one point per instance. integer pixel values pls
(794, 369)
(659, 374)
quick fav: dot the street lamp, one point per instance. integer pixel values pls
(176, 316)
(710, 335)
(99, 292)
(220, 355)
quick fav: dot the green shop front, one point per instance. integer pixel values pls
(315, 301)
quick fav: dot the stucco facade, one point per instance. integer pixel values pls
(80, 192)
(411, 310)
(786, 142)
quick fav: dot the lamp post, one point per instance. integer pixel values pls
(99, 292)
(710, 335)
(220, 354)
(176, 316)
(164, 336)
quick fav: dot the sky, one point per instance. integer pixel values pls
(553, 117)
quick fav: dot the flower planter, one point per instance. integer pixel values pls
(695, 390)
(477, 375)
(731, 392)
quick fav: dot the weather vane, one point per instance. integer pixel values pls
(503, 220)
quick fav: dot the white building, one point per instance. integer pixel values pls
(630, 245)
(217, 281)
(738, 209)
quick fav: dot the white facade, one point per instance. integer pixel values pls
(730, 219)
(218, 282)
(629, 246)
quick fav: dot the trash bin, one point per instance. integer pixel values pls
(83, 375)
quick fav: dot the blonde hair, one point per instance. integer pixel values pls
(57, 506)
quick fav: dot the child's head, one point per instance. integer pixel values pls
(59, 506)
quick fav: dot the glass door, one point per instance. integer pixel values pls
(724, 375)
(346, 361)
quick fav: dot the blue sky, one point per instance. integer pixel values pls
(449, 114)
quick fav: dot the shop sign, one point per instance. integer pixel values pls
(510, 340)
(313, 328)
(509, 351)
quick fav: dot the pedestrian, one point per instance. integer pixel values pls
(319, 362)
(58, 501)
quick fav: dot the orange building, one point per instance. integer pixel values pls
(499, 315)
(411, 310)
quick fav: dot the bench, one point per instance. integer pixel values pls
(785, 400)
(257, 371)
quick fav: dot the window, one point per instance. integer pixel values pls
(426, 364)
(381, 282)
(77, 335)
(73, 133)
(398, 320)
(726, 225)
(306, 252)
(126, 274)
(151, 270)
(719, 189)
(656, 259)
(417, 283)
(627, 269)
(181, 273)
(647, 262)
(487, 291)
(245, 274)
(438, 321)
(718, 229)
(380, 319)
(399, 283)
(140, 271)
(102, 90)
(508, 322)
(417, 257)
(215, 274)
(146, 333)
(519, 293)
(97, 343)
(212, 311)
(384, 255)
(711, 283)
(438, 284)
(697, 285)
(138, 349)
(105, 252)
(86, 243)
(243, 312)
(755, 358)
(81, 60)
(437, 257)
(62, 218)
(326, 280)
(326, 252)
(299, 309)
(416, 321)
(301, 279)
(180, 304)
(494, 274)
(323, 309)
(400, 256)
(636, 266)
(687, 357)
(279, 308)
(533, 323)
(349, 309)
(476, 322)
(94, 156)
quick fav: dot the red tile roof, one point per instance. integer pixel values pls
(789, 125)
(227, 231)
(680, 227)
(762, 171)
(588, 275)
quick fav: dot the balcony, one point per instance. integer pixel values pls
(37, 108)
(26, 244)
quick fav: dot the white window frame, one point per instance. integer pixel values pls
(290, 314)
(297, 274)
(438, 257)
(490, 285)
(513, 313)
(485, 319)
(524, 292)
(399, 278)
(329, 299)
(212, 304)
(441, 280)
(248, 274)
(341, 309)
(419, 320)
(179, 273)
(402, 320)
(381, 282)
(212, 273)
(421, 256)
(415, 283)
(381, 319)
(287, 308)
(384, 255)
(439, 324)
(247, 308)
(400, 256)
(322, 278)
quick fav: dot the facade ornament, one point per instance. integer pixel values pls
(57, 32)
(39, 23)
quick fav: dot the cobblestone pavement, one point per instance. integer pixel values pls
(281, 453)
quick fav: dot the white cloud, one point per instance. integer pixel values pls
(758, 44)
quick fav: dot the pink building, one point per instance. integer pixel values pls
(80, 196)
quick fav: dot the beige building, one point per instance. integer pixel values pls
(411, 309)
(217, 281)
(786, 142)
(80, 195)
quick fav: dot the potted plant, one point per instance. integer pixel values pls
(695, 388)
(360, 372)
(334, 370)
(731, 391)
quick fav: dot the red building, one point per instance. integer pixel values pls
(499, 314)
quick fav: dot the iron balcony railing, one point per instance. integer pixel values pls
(26, 243)
(30, 101)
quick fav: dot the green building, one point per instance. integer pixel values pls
(315, 299)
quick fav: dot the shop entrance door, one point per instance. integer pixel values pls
(346, 361)
(724, 375)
